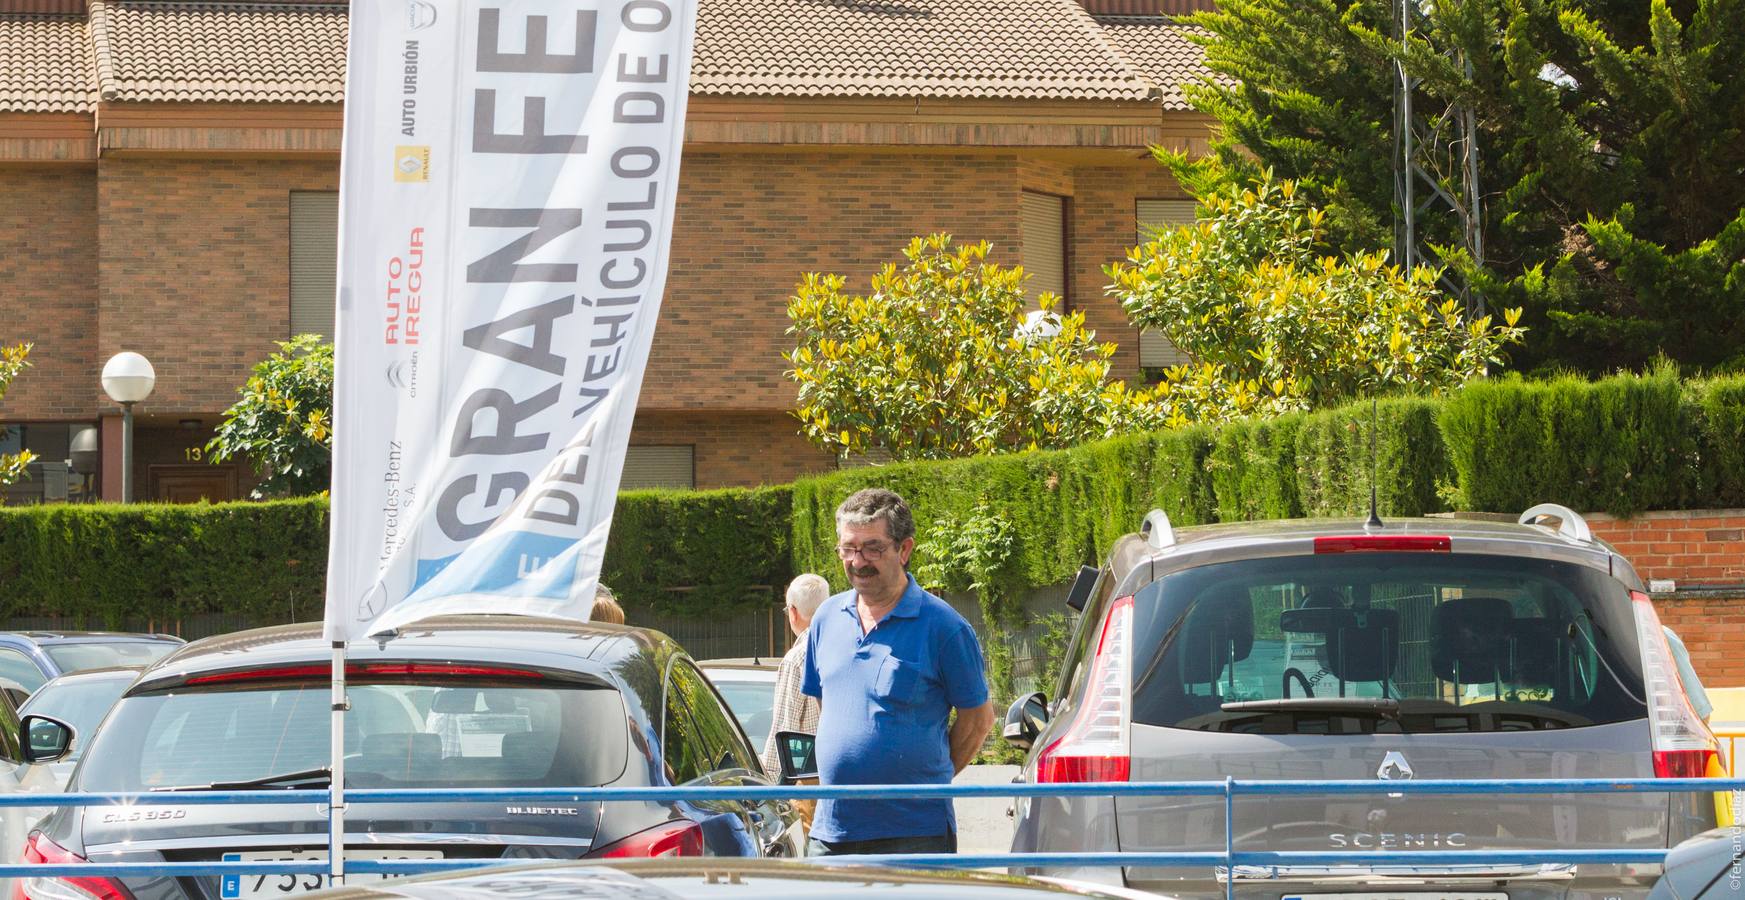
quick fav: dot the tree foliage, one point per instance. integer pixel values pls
(936, 361)
(283, 425)
(1274, 325)
(13, 360)
(1610, 151)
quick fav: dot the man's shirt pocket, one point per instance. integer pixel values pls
(898, 683)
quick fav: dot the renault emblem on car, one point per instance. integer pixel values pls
(1394, 767)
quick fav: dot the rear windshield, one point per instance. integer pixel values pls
(1385, 642)
(397, 736)
(102, 655)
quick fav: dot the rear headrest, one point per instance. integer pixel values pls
(1219, 630)
(1363, 646)
(1469, 639)
(1538, 650)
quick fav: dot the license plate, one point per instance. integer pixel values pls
(244, 887)
(1403, 895)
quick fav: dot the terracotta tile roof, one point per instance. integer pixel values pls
(219, 52)
(294, 52)
(966, 49)
(47, 66)
(1160, 50)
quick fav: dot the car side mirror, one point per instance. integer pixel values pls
(1082, 585)
(1025, 719)
(798, 751)
(44, 739)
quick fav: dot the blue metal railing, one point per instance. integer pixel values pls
(1230, 790)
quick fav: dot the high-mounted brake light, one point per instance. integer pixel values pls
(680, 837)
(1097, 746)
(1683, 746)
(1381, 543)
(39, 850)
(367, 670)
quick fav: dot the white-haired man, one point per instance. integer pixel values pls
(795, 711)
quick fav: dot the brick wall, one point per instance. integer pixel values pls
(735, 449)
(48, 290)
(1696, 548)
(1703, 552)
(749, 224)
(194, 269)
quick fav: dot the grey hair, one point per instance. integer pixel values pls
(807, 592)
(870, 505)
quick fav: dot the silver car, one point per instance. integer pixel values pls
(1332, 650)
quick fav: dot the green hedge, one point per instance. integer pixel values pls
(1620, 445)
(104, 564)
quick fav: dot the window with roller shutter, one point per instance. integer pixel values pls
(1155, 350)
(1043, 230)
(659, 466)
(314, 261)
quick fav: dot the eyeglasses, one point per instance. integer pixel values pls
(869, 552)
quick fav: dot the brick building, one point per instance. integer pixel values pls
(169, 172)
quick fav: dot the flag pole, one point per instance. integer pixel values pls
(336, 768)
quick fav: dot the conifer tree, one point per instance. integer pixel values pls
(1611, 155)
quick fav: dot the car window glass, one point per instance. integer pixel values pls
(723, 746)
(17, 668)
(681, 747)
(103, 654)
(473, 735)
(80, 703)
(1462, 643)
(753, 704)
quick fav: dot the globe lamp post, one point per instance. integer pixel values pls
(128, 378)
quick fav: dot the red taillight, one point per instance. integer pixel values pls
(680, 837)
(1683, 763)
(1096, 746)
(1681, 742)
(366, 670)
(1374, 543)
(39, 850)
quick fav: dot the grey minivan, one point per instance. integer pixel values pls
(1332, 650)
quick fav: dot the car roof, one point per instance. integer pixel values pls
(1206, 543)
(102, 674)
(530, 640)
(89, 637)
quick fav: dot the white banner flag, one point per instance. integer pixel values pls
(506, 200)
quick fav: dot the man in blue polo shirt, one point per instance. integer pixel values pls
(889, 662)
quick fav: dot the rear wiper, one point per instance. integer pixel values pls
(320, 777)
(1384, 707)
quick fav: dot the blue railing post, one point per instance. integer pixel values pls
(1229, 838)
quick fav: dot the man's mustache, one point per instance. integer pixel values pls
(864, 571)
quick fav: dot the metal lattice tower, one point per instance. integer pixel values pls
(1435, 169)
